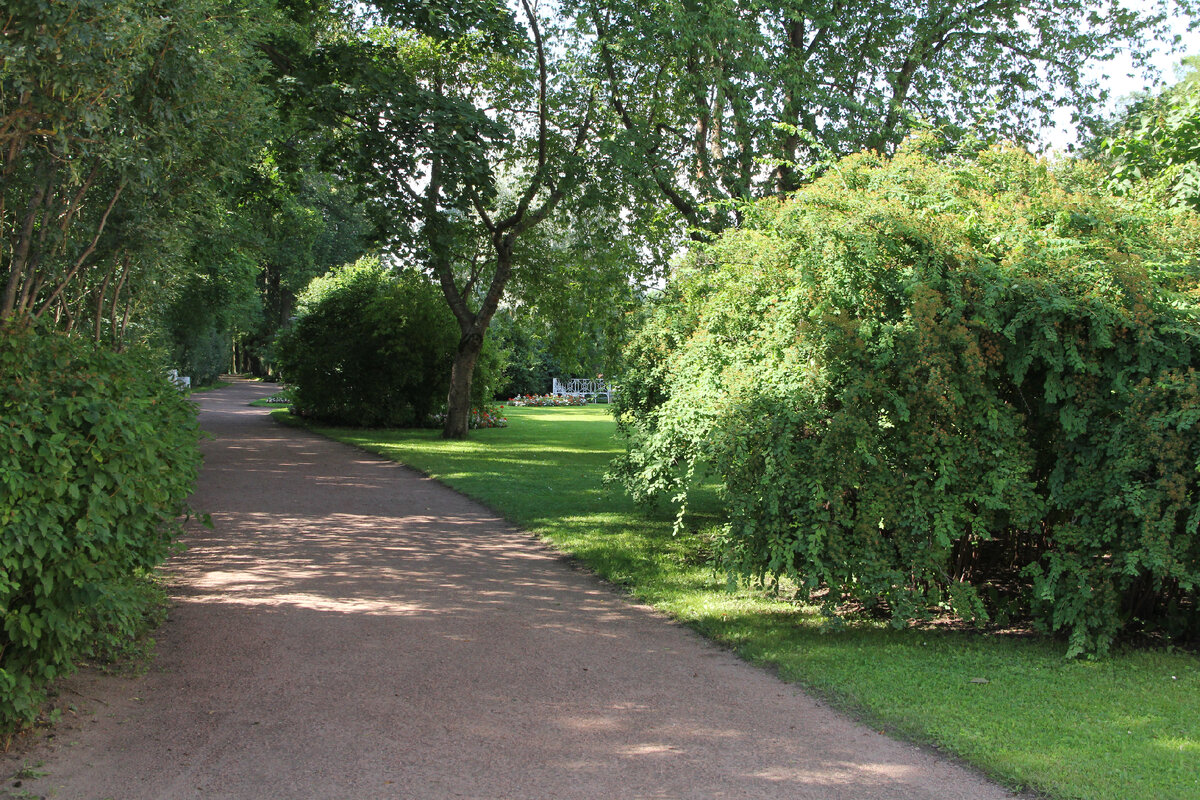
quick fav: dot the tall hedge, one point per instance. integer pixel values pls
(929, 388)
(373, 347)
(97, 458)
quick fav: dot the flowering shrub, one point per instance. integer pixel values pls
(541, 400)
(484, 417)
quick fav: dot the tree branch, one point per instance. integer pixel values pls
(84, 255)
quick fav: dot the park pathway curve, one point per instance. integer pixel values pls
(351, 630)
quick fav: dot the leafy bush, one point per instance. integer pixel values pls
(97, 457)
(201, 354)
(935, 389)
(370, 347)
(1155, 153)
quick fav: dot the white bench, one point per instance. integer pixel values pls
(181, 381)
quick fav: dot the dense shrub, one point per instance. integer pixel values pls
(530, 367)
(373, 347)
(926, 388)
(201, 354)
(97, 456)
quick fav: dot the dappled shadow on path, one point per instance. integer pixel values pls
(348, 626)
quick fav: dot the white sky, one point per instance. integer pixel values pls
(1123, 80)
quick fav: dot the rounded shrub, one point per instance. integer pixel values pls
(928, 388)
(370, 347)
(98, 454)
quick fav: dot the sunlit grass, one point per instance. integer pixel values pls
(1124, 728)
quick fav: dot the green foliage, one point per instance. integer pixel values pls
(297, 224)
(201, 354)
(578, 284)
(370, 347)
(935, 389)
(1156, 153)
(217, 297)
(531, 368)
(120, 122)
(97, 457)
(708, 94)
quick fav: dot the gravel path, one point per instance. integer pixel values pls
(353, 630)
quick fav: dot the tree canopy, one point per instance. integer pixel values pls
(731, 100)
(120, 124)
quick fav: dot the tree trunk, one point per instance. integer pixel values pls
(20, 252)
(458, 403)
(461, 373)
(473, 327)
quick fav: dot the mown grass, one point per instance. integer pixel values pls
(1124, 728)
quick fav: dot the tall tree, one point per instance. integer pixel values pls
(470, 127)
(297, 222)
(726, 100)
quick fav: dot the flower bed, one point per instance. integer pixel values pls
(548, 400)
(485, 417)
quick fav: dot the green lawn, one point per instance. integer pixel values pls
(1123, 728)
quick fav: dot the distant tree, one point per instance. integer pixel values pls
(1155, 149)
(298, 222)
(471, 130)
(530, 366)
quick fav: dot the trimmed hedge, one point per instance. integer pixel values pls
(373, 347)
(98, 454)
(935, 389)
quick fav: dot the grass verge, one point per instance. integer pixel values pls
(1124, 728)
(209, 387)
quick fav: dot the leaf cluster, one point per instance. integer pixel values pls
(122, 126)
(1156, 152)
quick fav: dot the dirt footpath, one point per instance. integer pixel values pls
(353, 630)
